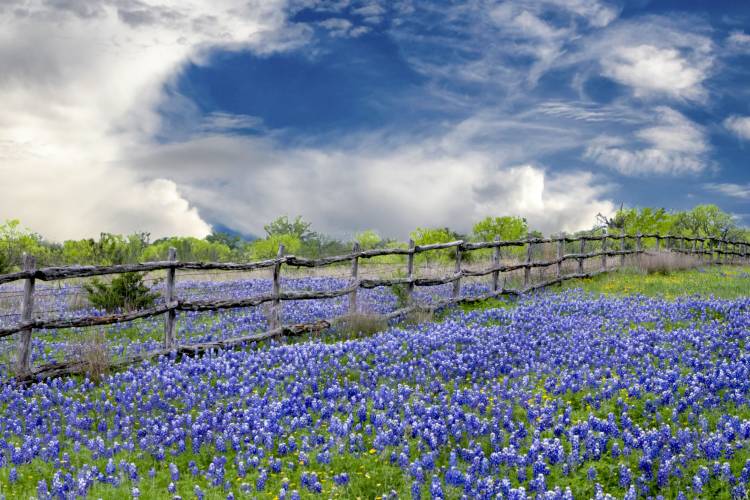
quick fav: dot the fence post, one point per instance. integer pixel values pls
(355, 279)
(692, 248)
(581, 251)
(658, 243)
(457, 283)
(604, 253)
(560, 253)
(638, 250)
(700, 254)
(171, 315)
(276, 304)
(496, 264)
(527, 267)
(23, 360)
(622, 250)
(410, 273)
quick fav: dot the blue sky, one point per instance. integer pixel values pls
(376, 114)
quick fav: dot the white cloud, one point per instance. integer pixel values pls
(675, 146)
(740, 191)
(80, 85)
(451, 179)
(650, 70)
(739, 40)
(739, 125)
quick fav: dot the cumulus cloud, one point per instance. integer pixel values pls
(739, 126)
(452, 179)
(80, 84)
(675, 146)
(653, 70)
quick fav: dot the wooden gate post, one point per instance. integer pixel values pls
(496, 264)
(410, 273)
(581, 251)
(560, 253)
(276, 304)
(457, 283)
(527, 267)
(658, 243)
(622, 250)
(355, 279)
(604, 253)
(638, 250)
(23, 359)
(170, 339)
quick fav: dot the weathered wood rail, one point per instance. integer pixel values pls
(711, 250)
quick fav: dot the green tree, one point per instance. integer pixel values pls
(108, 249)
(126, 292)
(646, 220)
(233, 241)
(705, 220)
(189, 249)
(16, 240)
(268, 247)
(283, 226)
(430, 236)
(367, 239)
(507, 227)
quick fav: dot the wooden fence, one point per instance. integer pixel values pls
(710, 250)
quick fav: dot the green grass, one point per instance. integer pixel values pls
(719, 281)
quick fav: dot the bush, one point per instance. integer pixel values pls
(360, 325)
(4, 263)
(665, 263)
(126, 292)
(92, 353)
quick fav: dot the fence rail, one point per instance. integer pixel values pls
(715, 248)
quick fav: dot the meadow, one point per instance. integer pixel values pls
(627, 384)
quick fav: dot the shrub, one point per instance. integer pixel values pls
(126, 292)
(92, 353)
(4, 263)
(665, 263)
(419, 316)
(360, 325)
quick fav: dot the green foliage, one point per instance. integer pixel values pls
(430, 236)
(189, 249)
(506, 228)
(645, 220)
(4, 263)
(16, 240)
(702, 221)
(705, 220)
(318, 245)
(125, 292)
(267, 248)
(108, 249)
(232, 241)
(283, 226)
(368, 239)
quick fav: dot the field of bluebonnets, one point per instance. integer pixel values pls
(558, 395)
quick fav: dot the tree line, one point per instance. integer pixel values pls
(299, 238)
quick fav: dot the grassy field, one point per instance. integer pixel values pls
(718, 281)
